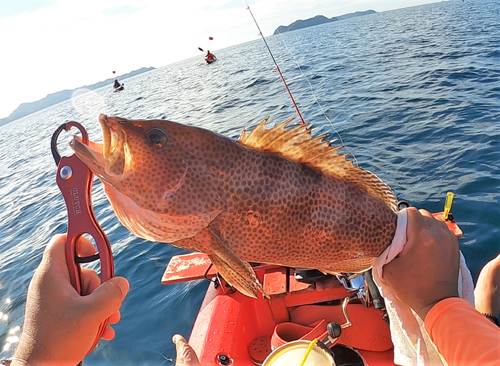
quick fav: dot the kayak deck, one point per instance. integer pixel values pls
(244, 329)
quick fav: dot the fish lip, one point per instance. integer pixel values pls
(96, 156)
(106, 134)
(115, 138)
(90, 154)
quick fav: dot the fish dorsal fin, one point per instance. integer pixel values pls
(297, 144)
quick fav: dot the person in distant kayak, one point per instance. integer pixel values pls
(209, 57)
(60, 325)
(117, 84)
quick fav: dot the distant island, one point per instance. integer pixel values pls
(318, 19)
(54, 98)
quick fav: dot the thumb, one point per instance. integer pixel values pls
(185, 353)
(107, 298)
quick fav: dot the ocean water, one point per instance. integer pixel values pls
(414, 93)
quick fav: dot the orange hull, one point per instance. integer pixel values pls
(243, 329)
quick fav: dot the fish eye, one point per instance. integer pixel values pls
(157, 137)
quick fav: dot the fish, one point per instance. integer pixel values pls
(275, 196)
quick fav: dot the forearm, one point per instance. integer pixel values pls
(462, 335)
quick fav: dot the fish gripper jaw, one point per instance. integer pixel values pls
(75, 181)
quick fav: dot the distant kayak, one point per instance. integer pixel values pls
(210, 58)
(117, 86)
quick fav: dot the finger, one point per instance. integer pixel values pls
(435, 223)
(55, 251)
(425, 213)
(107, 298)
(428, 220)
(108, 334)
(54, 257)
(84, 247)
(55, 248)
(442, 225)
(177, 339)
(90, 280)
(413, 228)
(115, 317)
(185, 353)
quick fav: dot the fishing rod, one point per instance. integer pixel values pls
(276, 64)
(290, 93)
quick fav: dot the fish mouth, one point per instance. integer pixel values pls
(107, 159)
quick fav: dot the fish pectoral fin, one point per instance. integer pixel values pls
(235, 271)
(238, 274)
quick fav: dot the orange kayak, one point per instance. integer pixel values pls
(232, 328)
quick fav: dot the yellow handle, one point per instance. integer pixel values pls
(309, 349)
(447, 204)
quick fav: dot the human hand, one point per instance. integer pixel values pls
(426, 271)
(60, 326)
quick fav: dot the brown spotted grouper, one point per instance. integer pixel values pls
(275, 196)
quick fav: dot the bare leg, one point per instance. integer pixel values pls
(185, 354)
(487, 291)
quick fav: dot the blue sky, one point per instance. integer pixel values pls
(51, 45)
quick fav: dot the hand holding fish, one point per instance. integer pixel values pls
(426, 271)
(60, 325)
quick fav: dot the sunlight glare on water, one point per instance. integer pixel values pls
(88, 103)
